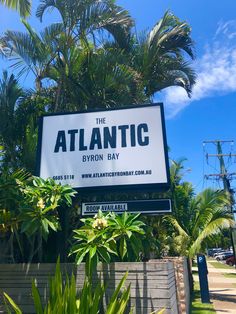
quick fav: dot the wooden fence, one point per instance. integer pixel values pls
(153, 284)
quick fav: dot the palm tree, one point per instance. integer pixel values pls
(64, 52)
(56, 44)
(31, 52)
(181, 192)
(94, 60)
(208, 216)
(103, 80)
(87, 20)
(160, 56)
(10, 92)
(22, 6)
(19, 112)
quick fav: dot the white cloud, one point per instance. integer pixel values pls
(227, 29)
(216, 71)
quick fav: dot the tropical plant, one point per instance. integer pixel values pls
(90, 69)
(156, 241)
(87, 20)
(93, 243)
(31, 52)
(22, 6)
(63, 297)
(10, 92)
(159, 57)
(29, 211)
(208, 216)
(18, 124)
(127, 231)
(53, 54)
(163, 235)
(27, 114)
(181, 192)
(10, 200)
(106, 238)
(38, 212)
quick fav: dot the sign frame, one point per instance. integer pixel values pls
(111, 188)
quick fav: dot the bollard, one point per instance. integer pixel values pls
(203, 280)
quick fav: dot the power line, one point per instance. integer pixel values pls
(224, 176)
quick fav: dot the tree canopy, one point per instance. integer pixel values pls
(22, 6)
(93, 58)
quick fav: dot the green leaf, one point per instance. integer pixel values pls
(97, 298)
(22, 6)
(53, 225)
(132, 218)
(12, 303)
(123, 248)
(79, 257)
(136, 244)
(92, 251)
(111, 248)
(104, 254)
(113, 299)
(129, 233)
(37, 300)
(123, 301)
(45, 225)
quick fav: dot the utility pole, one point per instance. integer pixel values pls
(226, 177)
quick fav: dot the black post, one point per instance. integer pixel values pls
(203, 280)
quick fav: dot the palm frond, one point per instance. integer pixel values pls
(84, 18)
(40, 49)
(173, 221)
(213, 198)
(43, 6)
(51, 32)
(172, 72)
(22, 6)
(161, 56)
(171, 35)
(104, 15)
(19, 47)
(214, 227)
(21, 175)
(212, 204)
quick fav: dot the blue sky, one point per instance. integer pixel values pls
(211, 112)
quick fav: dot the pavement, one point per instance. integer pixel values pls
(222, 289)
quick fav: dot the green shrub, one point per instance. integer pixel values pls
(108, 237)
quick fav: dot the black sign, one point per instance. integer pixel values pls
(157, 206)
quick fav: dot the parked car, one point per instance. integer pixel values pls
(223, 256)
(211, 252)
(230, 261)
(218, 252)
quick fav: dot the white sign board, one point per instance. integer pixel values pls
(110, 148)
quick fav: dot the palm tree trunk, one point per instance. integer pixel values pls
(38, 84)
(58, 96)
